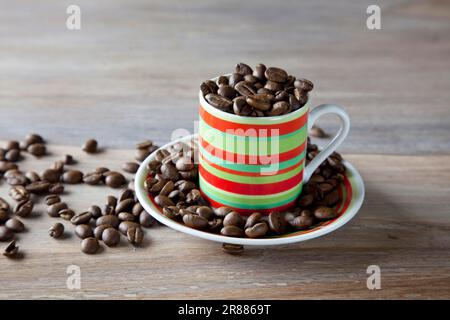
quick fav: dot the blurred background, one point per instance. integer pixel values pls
(133, 70)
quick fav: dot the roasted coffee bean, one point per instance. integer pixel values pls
(137, 209)
(251, 79)
(276, 221)
(185, 186)
(81, 218)
(259, 71)
(163, 201)
(189, 175)
(6, 165)
(222, 211)
(3, 215)
(332, 198)
(146, 220)
(93, 178)
(257, 231)
(168, 188)
(281, 96)
(295, 104)
(12, 145)
(306, 200)
(6, 234)
(95, 211)
(234, 79)
(226, 91)
(245, 89)
(52, 199)
(243, 69)
(301, 96)
(131, 167)
(204, 89)
(15, 178)
(56, 231)
(72, 177)
(193, 196)
(195, 221)
(326, 187)
(56, 188)
(83, 231)
(33, 138)
(303, 221)
(161, 154)
(276, 74)
(66, 214)
(110, 220)
(240, 107)
(222, 80)
(32, 176)
(89, 245)
(126, 194)
(146, 144)
(68, 159)
(205, 212)
(54, 209)
(111, 201)
(325, 213)
(115, 180)
(185, 164)
(15, 225)
(233, 219)
(19, 193)
(171, 212)
(24, 208)
(260, 101)
(232, 231)
(12, 155)
(4, 204)
(278, 108)
(141, 154)
(51, 175)
(135, 236)
(218, 101)
(110, 237)
(253, 219)
(125, 225)
(108, 210)
(304, 84)
(90, 146)
(212, 86)
(125, 205)
(11, 250)
(215, 225)
(98, 231)
(317, 132)
(273, 86)
(233, 249)
(126, 216)
(37, 149)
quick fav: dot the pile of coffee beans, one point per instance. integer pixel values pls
(173, 182)
(122, 215)
(258, 92)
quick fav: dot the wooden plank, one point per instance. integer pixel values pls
(403, 227)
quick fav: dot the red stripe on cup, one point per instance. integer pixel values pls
(251, 189)
(249, 159)
(253, 130)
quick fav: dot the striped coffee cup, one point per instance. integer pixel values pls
(258, 163)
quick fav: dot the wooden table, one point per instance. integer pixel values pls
(133, 71)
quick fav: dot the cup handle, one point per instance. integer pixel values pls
(316, 113)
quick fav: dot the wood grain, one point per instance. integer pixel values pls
(133, 70)
(403, 227)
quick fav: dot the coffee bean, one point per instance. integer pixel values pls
(222, 211)
(126, 194)
(125, 225)
(325, 213)
(81, 218)
(304, 84)
(108, 210)
(185, 186)
(276, 74)
(212, 86)
(215, 225)
(83, 231)
(3, 215)
(56, 188)
(232, 231)
(185, 164)
(205, 212)
(51, 175)
(233, 219)
(146, 220)
(37, 149)
(233, 249)
(6, 165)
(146, 144)
(195, 221)
(115, 180)
(125, 205)
(54, 209)
(72, 177)
(295, 104)
(260, 101)
(32, 176)
(56, 231)
(93, 178)
(218, 101)
(168, 188)
(234, 79)
(11, 250)
(6, 234)
(110, 220)
(240, 107)
(189, 175)
(279, 108)
(90, 146)
(171, 212)
(131, 167)
(137, 209)
(66, 214)
(257, 231)
(15, 225)
(52, 199)
(98, 231)
(303, 221)
(332, 198)
(226, 91)
(243, 69)
(33, 138)
(12, 145)
(95, 211)
(68, 159)
(19, 193)
(126, 216)
(141, 154)
(222, 80)
(4, 204)
(15, 178)
(12, 155)
(193, 196)
(301, 96)
(253, 219)
(245, 88)
(163, 201)
(24, 208)
(273, 86)
(277, 224)
(135, 236)
(317, 132)
(306, 200)
(110, 237)
(111, 201)
(89, 245)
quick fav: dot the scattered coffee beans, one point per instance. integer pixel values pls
(89, 245)
(11, 250)
(56, 230)
(90, 146)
